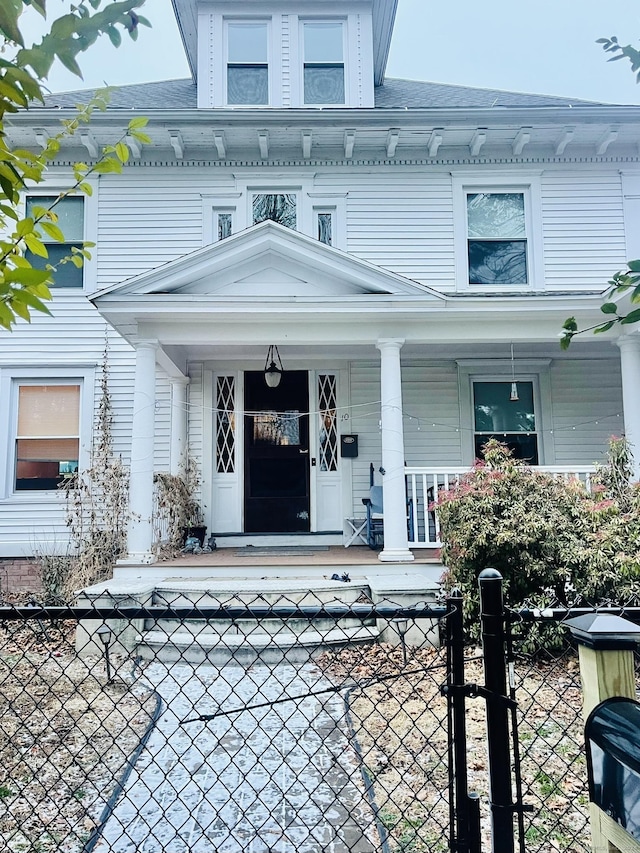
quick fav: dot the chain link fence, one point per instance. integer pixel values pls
(549, 726)
(222, 725)
(246, 724)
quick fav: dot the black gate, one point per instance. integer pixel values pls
(269, 724)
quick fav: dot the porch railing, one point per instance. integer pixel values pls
(424, 485)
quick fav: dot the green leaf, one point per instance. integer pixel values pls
(53, 231)
(114, 36)
(36, 246)
(86, 188)
(20, 309)
(25, 226)
(27, 276)
(109, 164)
(122, 152)
(570, 324)
(633, 317)
(605, 327)
(141, 137)
(9, 13)
(609, 308)
(6, 316)
(137, 123)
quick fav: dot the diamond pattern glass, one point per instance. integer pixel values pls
(225, 424)
(328, 422)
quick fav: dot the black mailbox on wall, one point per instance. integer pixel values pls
(349, 446)
(612, 733)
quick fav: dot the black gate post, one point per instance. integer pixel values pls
(465, 808)
(499, 752)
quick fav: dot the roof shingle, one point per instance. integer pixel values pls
(394, 94)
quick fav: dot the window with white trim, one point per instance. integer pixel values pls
(325, 226)
(247, 82)
(69, 218)
(222, 224)
(323, 73)
(279, 207)
(505, 410)
(47, 434)
(496, 237)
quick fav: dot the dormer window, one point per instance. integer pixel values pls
(247, 63)
(323, 64)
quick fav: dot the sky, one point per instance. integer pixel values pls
(543, 46)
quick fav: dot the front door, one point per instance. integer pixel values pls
(276, 447)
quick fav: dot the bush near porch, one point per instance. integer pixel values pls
(550, 538)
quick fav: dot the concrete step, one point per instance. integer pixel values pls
(273, 626)
(220, 648)
(210, 592)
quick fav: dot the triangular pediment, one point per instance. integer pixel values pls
(267, 260)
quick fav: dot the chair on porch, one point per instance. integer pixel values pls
(374, 531)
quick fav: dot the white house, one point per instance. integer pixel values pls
(410, 249)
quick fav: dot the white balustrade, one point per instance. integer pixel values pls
(425, 484)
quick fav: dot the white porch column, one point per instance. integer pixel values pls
(140, 530)
(630, 367)
(396, 547)
(179, 387)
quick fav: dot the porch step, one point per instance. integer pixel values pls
(249, 639)
(220, 648)
(210, 592)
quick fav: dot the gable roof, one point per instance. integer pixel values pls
(393, 94)
(270, 260)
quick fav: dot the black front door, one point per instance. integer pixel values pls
(276, 453)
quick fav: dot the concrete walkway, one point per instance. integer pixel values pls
(282, 778)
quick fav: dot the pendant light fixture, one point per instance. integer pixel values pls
(513, 396)
(273, 369)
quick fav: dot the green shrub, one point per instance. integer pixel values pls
(549, 538)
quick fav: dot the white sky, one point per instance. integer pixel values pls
(543, 46)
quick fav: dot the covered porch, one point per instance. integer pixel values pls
(376, 370)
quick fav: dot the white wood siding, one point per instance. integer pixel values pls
(586, 401)
(404, 223)
(583, 226)
(587, 395)
(147, 218)
(399, 219)
(74, 337)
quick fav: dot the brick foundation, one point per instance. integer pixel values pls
(19, 574)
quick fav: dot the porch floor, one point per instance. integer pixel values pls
(334, 556)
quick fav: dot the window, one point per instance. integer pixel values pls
(279, 207)
(500, 413)
(47, 435)
(497, 238)
(223, 224)
(70, 214)
(324, 221)
(247, 63)
(323, 66)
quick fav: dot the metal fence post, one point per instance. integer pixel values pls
(466, 810)
(499, 748)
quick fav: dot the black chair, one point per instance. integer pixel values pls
(374, 508)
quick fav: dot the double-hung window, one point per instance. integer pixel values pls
(248, 63)
(496, 238)
(323, 62)
(47, 435)
(505, 411)
(70, 220)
